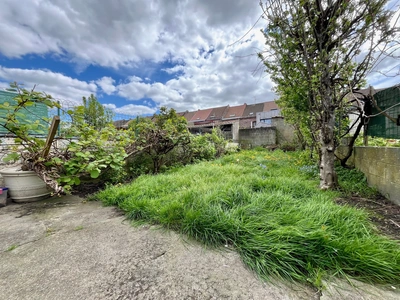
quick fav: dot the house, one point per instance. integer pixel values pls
(228, 118)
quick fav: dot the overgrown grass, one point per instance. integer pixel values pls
(263, 205)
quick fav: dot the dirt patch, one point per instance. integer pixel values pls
(88, 188)
(384, 214)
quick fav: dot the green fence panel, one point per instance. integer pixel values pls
(381, 126)
(38, 111)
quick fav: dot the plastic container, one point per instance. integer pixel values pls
(3, 196)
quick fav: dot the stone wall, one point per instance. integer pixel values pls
(253, 137)
(381, 165)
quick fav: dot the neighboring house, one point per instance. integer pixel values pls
(234, 112)
(37, 112)
(228, 118)
(121, 124)
(264, 118)
(200, 117)
(248, 119)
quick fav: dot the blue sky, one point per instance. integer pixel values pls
(137, 55)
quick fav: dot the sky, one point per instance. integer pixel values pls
(138, 55)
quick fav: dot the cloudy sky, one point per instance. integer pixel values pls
(137, 55)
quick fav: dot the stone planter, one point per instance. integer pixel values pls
(24, 186)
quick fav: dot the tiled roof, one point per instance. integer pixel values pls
(270, 106)
(189, 115)
(252, 109)
(217, 113)
(120, 123)
(201, 115)
(234, 112)
(228, 112)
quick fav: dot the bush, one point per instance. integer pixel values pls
(202, 148)
(288, 147)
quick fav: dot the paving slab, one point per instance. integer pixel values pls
(68, 248)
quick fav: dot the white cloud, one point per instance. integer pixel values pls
(132, 34)
(111, 106)
(131, 110)
(107, 85)
(123, 34)
(135, 110)
(135, 37)
(56, 84)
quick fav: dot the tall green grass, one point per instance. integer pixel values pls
(263, 205)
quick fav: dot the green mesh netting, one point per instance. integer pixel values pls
(381, 126)
(31, 114)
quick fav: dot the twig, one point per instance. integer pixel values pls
(394, 223)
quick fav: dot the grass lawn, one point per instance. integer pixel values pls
(267, 206)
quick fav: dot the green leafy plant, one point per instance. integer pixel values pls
(93, 113)
(378, 142)
(87, 151)
(160, 136)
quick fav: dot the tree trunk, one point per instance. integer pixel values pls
(328, 177)
(344, 160)
(156, 165)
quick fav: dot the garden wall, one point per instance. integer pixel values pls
(284, 131)
(253, 137)
(381, 166)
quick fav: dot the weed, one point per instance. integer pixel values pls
(11, 248)
(77, 228)
(49, 231)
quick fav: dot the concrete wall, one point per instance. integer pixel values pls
(284, 131)
(381, 165)
(253, 137)
(235, 131)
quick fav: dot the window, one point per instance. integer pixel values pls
(266, 121)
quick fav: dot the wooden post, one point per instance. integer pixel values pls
(51, 135)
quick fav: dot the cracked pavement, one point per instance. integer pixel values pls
(67, 248)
